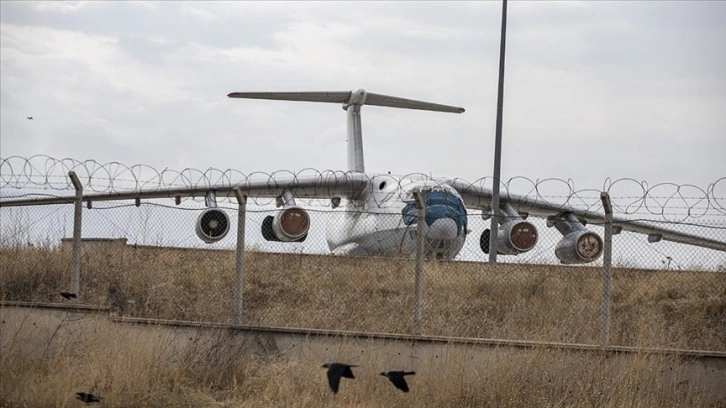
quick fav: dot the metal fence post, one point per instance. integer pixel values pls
(419, 262)
(606, 264)
(75, 286)
(494, 229)
(240, 257)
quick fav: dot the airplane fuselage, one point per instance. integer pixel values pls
(384, 220)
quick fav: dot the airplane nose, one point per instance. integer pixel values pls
(445, 215)
(442, 229)
(445, 220)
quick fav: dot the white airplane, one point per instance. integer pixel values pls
(375, 214)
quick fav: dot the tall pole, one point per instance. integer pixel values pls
(494, 230)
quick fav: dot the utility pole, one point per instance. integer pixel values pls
(494, 229)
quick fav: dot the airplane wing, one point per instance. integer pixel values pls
(479, 197)
(325, 185)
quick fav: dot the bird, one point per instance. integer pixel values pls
(397, 379)
(87, 397)
(68, 295)
(29, 117)
(337, 370)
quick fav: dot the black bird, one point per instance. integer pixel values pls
(337, 370)
(397, 379)
(87, 397)
(29, 117)
(68, 295)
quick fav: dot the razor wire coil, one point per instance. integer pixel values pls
(629, 196)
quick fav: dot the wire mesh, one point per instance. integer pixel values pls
(148, 261)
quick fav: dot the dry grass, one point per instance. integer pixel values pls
(684, 309)
(130, 370)
(514, 301)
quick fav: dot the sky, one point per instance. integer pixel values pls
(593, 90)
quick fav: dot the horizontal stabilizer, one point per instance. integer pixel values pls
(394, 102)
(359, 97)
(332, 97)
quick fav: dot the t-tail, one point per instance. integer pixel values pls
(352, 102)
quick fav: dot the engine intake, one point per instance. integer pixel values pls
(212, 225)
(579, 247)
(289, 225)
(513, 238)
(516, 237)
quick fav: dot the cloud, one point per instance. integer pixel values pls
(63, 7)
(202, 15)
(89, 60)
(593, 89)
(87, 95)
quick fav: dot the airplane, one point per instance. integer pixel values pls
(375, 213)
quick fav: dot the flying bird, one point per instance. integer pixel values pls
(337, 370)
(29, 117)
(68, 295)
(397, 379)
(87, 397)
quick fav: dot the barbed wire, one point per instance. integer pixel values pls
(629, 196)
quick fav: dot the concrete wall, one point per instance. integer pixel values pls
(42, 331)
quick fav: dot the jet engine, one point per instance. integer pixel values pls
(578, 245)
(289, 225)
(515, 235)
(212, 225)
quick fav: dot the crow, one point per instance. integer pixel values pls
(68, 295)
(87, 397)
(337, 370)
(397, 379)
(29, 117)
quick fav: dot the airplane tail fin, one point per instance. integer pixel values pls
(354, 99)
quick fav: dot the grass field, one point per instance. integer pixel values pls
(551, 303)
(128, 370)
(684, 309)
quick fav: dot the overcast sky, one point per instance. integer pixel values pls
(593, 89)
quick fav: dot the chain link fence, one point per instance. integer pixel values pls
(144, 258)
(147, 261)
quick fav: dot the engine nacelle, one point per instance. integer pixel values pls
(513, 238)
(289, 225)
(580, 246)
(516, 237)
(212, 225)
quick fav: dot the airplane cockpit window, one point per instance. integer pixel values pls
(384, 190)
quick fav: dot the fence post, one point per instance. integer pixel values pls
(606, 264)
(418, 291)
(240, 257)
(75, 286)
